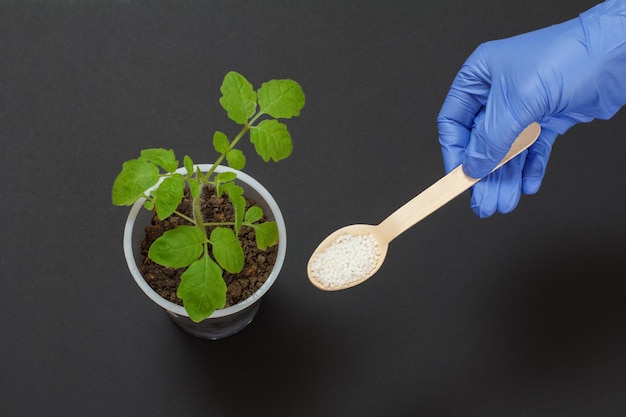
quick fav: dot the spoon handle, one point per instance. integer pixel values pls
(446, 189)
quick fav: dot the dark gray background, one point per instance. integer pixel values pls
(516, 315)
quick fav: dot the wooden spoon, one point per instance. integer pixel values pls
(429, 200)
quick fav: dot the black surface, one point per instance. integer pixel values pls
(516, 315)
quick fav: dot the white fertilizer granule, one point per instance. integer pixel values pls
(348, 259)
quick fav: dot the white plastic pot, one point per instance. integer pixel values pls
(223, 322)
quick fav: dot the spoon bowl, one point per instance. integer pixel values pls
(425, 203)
(382, 244)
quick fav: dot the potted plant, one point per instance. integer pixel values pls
(193, 223)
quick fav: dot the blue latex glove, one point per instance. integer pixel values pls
(559, 76)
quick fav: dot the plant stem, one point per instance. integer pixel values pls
(197, 214)
(209, 224)
(183, 216)
(237, 138)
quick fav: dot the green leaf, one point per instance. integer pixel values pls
(220, 142)
(188, 163)
(235, 195)
(202, 289)
(266, 234)
(236, 159)
(169, 195)
(254, 213)
(178, 248)
(225, 176)
(227, 249)
(281, 98)
(136, 177)
(238, 97)
(222, 178)
(271, 140)
(164, 158)
(148, 204)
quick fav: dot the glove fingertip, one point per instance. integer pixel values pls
(477, 167)
(509, 205)
(537, 161)
(483, 199)
(482, 211)
(531, 185)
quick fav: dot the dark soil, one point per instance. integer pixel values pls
(258, 263)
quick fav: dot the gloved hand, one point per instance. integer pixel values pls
(559, 76)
